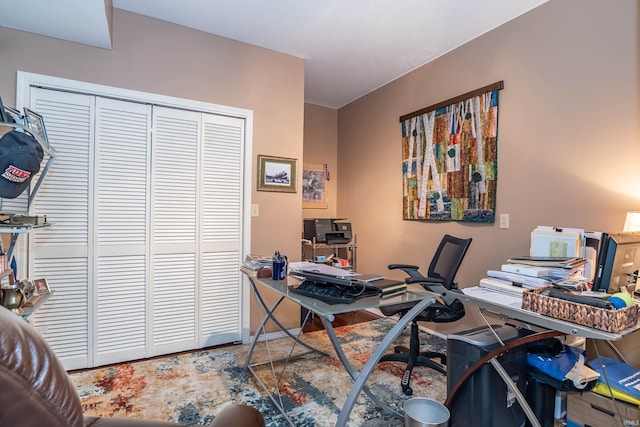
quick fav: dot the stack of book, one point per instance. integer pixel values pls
(389, 287)
(521, 273)
(252, 263)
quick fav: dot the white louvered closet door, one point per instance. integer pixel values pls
(146, 238)
(221, 225)
(61, 252)
(196, 229)
(120, 230)
(173, 229)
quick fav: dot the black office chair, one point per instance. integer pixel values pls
(439, 279)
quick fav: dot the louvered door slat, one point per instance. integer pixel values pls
(221, 226)
(175, 171)
(59, 252)
(121, 215)
(174, 229)
(174, 296)
(222, 180)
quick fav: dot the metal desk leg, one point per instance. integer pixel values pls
(354, 375)
(375, 358)
(515, 390)
(269, 315)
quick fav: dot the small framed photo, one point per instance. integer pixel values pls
(35, 122)
(277, 174)
(314, 186)
(42, 287)
(13, 116)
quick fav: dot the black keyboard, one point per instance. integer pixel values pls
(332, 293)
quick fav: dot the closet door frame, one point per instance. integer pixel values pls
(26, 81)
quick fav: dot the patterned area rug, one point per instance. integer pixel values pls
(190, 388)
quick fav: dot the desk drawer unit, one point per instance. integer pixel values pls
(589, 409)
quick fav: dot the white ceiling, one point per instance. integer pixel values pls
(350, 47)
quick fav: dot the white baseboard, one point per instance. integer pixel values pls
(275, 335)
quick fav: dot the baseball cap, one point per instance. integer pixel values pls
(20, 158)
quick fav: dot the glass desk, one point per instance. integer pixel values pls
(327, 313)
(511, 308)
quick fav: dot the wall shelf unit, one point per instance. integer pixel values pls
(21, 223)
(311, 250)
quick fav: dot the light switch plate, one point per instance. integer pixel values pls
(504, 220)
(255, 210)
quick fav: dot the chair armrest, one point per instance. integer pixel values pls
(411, 270)
(424, 281)
(436, 285)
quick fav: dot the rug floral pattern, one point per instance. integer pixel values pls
(190, 388)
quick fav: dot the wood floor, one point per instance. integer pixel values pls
(315, 323)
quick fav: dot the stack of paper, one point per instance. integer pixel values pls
(555, 262)
(256, 262)
(526, 270)
(567, 272)
(310, 267)
(521, 280)
(502, 286)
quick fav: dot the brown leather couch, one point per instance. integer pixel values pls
(35, 389)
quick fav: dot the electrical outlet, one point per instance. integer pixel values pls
(255, 210)
(504, 220)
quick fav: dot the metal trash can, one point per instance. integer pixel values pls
(423, 412)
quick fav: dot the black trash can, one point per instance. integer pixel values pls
(542, 400)
(484, 400)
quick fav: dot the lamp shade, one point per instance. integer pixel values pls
(632, 223)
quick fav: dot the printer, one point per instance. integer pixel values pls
(332, 231)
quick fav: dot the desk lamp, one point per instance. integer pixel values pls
(632, 223)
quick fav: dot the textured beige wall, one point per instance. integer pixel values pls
(568, 139)
(154, 56)
(321, 147)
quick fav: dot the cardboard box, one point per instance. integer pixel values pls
(589, 409)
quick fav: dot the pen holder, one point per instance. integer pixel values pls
(279, 268)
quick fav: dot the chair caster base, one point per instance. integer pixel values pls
(406, 389)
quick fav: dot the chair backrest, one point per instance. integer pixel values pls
(447, 259)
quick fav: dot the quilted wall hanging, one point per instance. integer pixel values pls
(449, 158)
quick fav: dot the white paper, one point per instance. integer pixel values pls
(502, 298)
(312, 267)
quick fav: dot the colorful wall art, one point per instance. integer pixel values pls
(449, 159)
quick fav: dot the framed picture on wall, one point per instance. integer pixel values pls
(277, 174)
(314, 186)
